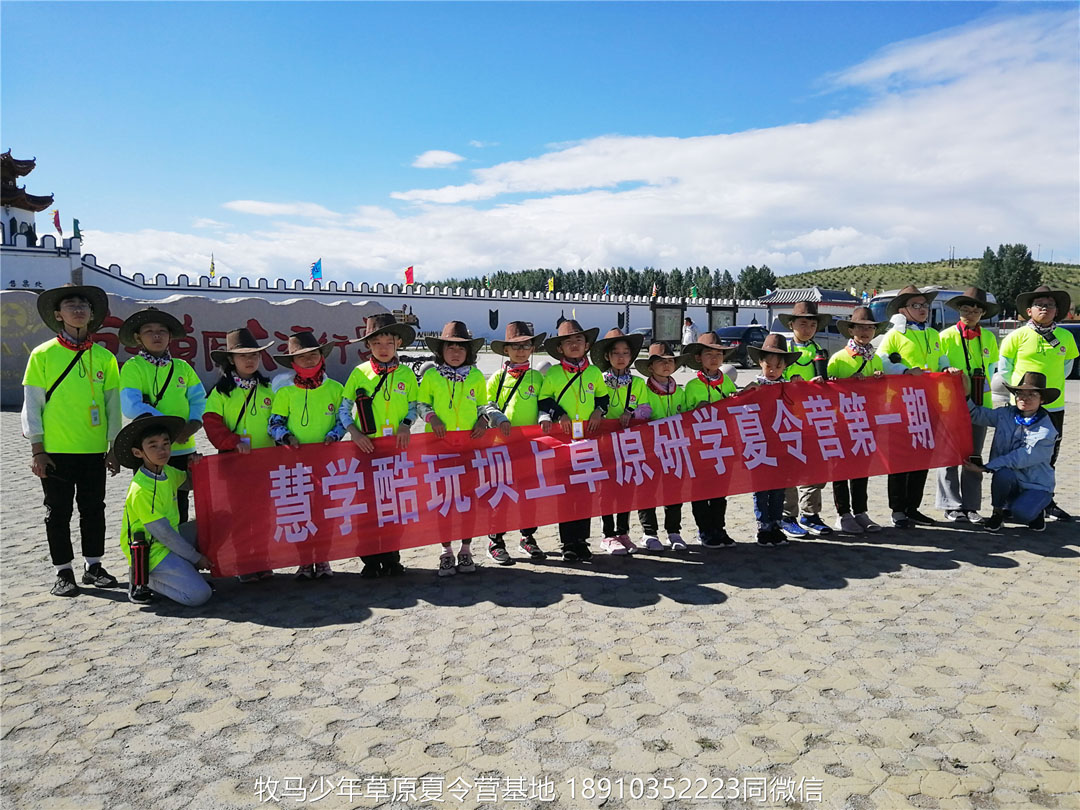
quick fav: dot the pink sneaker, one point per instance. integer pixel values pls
(627, 543)
(612, 546)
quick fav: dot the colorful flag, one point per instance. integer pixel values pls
(75, 227)
(607, 288)
(693, 291)
(56, 221)
(551, 284)
(409, 277)
(654, 290)
(211, 265)
(316, 270)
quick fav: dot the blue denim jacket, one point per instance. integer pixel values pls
(1026, 449)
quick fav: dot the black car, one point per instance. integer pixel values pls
(741, 337)
(1073, 328)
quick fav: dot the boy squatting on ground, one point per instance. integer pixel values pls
(71, 415)
(151, 506)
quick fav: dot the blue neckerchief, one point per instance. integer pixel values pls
(919, 326)
(1026, 421)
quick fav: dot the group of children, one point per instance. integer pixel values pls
(72, 419)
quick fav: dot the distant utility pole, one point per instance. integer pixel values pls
(1038, 251)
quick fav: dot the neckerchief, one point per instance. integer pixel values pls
(1025, 421)
(615, 380)
(68, 342)
(663, 389)
(571, 367)
(858, 350)
(384, 368)
(310, 378)
(712, 382)
(454, 375)
(1045, 332)
(969, 332)
(246, 385)
(762, 380)
(515, 370)
(160, 362)
(919, 327)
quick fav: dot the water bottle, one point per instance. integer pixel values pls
(821, 364)
(139, 570)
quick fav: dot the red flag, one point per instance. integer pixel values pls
(56, 221)
(408, 275)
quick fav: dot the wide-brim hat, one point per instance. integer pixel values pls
(905, 295)
(302, 343)
(804, 309)
(455, 332)
(657, 351)
(974, 297)
(518, 332)
(861, 316)
(691, 355)
(127, 438)
(238, 341)
(773, 344)
(129, 328)
(1061, 298)
(386, 324)
(599, 350)
(568, 329)
(1035, 381)
(49, 301)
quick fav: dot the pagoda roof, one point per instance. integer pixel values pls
(12, 196)
(793, 295)
(11, 167)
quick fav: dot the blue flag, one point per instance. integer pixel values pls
(316, 270)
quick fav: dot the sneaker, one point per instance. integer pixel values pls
(498, 552)
(677, 543)
(140, 594)
(993, 523)
(465, 562)
(915, 516)
(393, 569)
(612, 546)
(651, 542)
(528, 545)
(323, 570)
(570, 554)
(849, 525)
(247, 579)
(792, 529)
(98, 577)
(974, 518)
(723, 537)
(305, 572)
(764, 538)
(1057, 513)
(583, 551)
(867, 523)
(371, 570)
(446, 565)
(815, 525)
(65, 584)
(955, 516)
(627, 543)
(778, 538)
(901, 521)
(1038, 524)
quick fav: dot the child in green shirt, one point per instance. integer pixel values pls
(387, 392)
(515, 391)
(453, 396)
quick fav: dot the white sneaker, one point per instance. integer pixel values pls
(612, 546)
(975, 519)
(677, 543)
(652, 543)
(849, 525)
(867, 523)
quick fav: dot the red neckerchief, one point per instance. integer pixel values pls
(570, 367)
(969, 332)
(68, 342)
(515, 370)
(712, 382)
(383, 369)
(666, 391)
(310, 377)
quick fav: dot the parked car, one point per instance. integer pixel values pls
(741, 337)
(646, 332)
(829, 338)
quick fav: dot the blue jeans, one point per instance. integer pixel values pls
(1025, 504)
(769, 508)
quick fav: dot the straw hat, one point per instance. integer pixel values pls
(130, 328)
(132, 436)
(238, 341)
(861, 316)
(386, 324)
(975, 297)
(657, 351)
(905, 295)
(302, 343)
(518, 332)
(600, 349)
(48, 303)
(773, 344)
(804, 309)
(567, 329)
(691, 356)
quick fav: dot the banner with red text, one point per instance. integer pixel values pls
(280, 507)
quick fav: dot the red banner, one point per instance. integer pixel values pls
(280, 507)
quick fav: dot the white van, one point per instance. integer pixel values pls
(941, 316)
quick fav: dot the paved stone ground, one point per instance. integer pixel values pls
(934, 669)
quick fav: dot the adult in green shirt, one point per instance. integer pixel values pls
(1042, 346)
(71, 415)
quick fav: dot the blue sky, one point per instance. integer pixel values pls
(555, 133)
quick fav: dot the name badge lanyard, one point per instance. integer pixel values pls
(95, 409)
(967, 357)
(513, 390)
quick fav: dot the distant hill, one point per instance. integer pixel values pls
(959, 274)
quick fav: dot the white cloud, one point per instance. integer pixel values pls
(965, 150)
(436, 159)
(205, 222)
(483, 144)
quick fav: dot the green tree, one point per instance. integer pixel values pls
(754, 281)
(725, 287)
(1008, 273)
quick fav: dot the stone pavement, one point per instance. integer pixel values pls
(934, 668)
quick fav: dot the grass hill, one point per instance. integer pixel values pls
(959, 274)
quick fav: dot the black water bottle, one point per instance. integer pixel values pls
(978, 385)
(821, 364)
(139, 570)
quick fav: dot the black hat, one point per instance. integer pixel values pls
(975, 297)
(599, 350)
(386, 324)
(129, 328)
(132, 436)
(301, 343)
(238, 341)
(48, 303)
